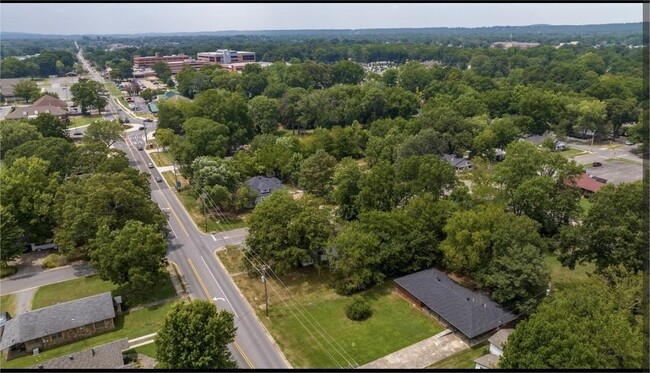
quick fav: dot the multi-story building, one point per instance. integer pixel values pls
(148, 61)
(226, 56)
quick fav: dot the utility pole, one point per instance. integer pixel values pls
(266, 294)
(205, 213)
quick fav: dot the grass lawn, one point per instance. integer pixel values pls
(214, 224)
(112, 89)
(463, 359)
(562, 275)
(572, 152)
(83, 120)
(586, 205)
(161, 159)
(625, 160)
(149, 350)
(394, 324)
(123, 101)
(8, 304)
(233, 259)
(132, 325)
(91, 285)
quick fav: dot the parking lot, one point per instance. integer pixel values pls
(60, 86)
(619, 163)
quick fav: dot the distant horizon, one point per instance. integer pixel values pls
(318, 29)
(169, 18)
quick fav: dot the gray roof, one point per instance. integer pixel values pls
(489, 360)
(106, 356)
(26, 112)
(64, 316)
(456, 161)
(470, 312)
(500, 337)
(259, 183)
(7, 86)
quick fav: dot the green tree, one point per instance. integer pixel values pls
(133, 256)
(265, 114)
(285, 232)
(162, 70)
(82, 206)
(59, 152)
(205, 137)
(582, 326)
(620, 112)
(50, 126)
(316, 173)
(377, 188)
(423, 174)
(87, 95)
(228, 108)
(27, 89)
(196, 335)
(345, 190)
(15, 133)
(106, 131)
(613, 231)
(12, 238)
(244, 198)
(347, 72)
(28, 194)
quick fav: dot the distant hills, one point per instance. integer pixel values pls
(618, 28)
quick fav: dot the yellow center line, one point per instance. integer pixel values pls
(161, 192)
(207, 294)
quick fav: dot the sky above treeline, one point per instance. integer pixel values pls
(116, 18)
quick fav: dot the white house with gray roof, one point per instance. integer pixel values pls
(59, 324)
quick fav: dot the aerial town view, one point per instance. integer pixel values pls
(337, 186)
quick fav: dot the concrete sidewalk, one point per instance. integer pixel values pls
(422, 354)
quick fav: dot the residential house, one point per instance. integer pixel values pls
(474, 315)
(59, 324)
(106, 356)
(459, 164)
(33, 111)
(263, 186)
(497, 341)
(589, 184)
(48, 100)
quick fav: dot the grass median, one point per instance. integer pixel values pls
(161, 159)
(307, 323)
(83, 120)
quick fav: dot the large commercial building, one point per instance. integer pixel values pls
(226, 56)
(148, 61)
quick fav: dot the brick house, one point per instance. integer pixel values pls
(475, 316)
(60, 324)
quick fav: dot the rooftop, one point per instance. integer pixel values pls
(586, 182)
(500, 337)
(470, 312)
(489, 360)
(64, 316)
(106, 356)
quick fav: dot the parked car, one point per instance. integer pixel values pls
(78, 133)
(147, 121)
(629, 142)
(159, 179)
(140, 147)
(141, 128)
(150, 165)
(596, 164)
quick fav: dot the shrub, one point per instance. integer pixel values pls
(54, 260)
(358, 310)
(7, 270)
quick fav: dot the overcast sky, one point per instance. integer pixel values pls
(115, 18)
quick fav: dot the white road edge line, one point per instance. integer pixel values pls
(213, 238)
(222, 292)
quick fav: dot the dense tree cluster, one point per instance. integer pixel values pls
(50, 62)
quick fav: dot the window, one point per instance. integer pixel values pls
(35, 112)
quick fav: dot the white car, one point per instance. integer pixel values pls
(629, 142)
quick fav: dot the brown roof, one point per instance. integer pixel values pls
(587, 183)
(26, 112)
(500, 337)
(48, 100)
(489, 360)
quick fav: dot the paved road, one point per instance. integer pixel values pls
(35, 279)
(193, 252)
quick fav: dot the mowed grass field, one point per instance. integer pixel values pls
(309, 324)
(91, 285)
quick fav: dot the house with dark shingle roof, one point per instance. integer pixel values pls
(59, 324)
(263, 186)
(106, 356)
(458, 163)
(472, 314)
